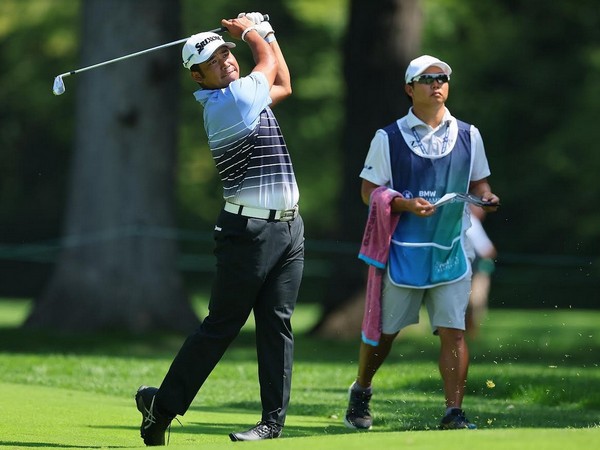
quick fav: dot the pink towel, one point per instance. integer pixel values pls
(374, 250)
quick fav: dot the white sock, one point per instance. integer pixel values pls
(358, 387)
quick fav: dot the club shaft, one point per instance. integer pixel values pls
(131, 55)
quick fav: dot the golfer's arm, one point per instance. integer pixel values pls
(264, 57)
(282, 86)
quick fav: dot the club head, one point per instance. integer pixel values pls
(59, 86)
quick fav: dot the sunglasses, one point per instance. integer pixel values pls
(429, 78)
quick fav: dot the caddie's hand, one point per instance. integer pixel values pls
(421, 207)
(256, 17)
(492, 198)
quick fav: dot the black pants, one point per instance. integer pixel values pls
(259, 268)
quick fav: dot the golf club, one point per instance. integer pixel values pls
(58, 88)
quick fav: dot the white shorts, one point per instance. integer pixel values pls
(446, 305)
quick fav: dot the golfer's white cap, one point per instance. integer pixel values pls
(200, 47)
(419, 65)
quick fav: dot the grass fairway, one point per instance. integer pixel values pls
(42, 417)
(60, 391)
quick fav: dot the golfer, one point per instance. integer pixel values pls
(421, 157)
(259, 234)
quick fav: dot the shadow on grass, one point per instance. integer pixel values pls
(294, 431)
(392, 414)
(405, 409)
(521, 346)
(151, 345)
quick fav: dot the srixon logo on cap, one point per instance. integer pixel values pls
(200, 45)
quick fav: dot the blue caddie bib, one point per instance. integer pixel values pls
(427, 252)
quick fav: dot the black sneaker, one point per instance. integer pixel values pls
(358, 415)
(154, 425)
(456, 420)
(262, 430)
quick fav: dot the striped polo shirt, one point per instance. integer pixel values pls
(247, 145)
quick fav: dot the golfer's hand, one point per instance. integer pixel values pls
(264, 29)
(235, 27)
(256, 17)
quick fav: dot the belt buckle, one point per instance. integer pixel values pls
(287, 215)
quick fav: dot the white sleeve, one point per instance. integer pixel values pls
(251, 94)
(481, 168)
(377, 168)
(479, 239)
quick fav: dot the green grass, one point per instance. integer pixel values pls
(76, 391)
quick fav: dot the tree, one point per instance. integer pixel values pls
(118, 267)
(381, 39)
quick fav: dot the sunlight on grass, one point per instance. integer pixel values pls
(305, 314)
(13, 312)
(66, 418)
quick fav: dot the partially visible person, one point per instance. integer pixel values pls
(421, 157)
(483, 266)
(259, 234)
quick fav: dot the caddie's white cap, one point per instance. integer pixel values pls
(419, 65)
(200, 47)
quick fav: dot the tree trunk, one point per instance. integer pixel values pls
(382, 37)
(118, 267)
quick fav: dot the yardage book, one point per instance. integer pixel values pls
(453, 197)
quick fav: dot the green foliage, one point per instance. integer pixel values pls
(525, 73)
(39, 41)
